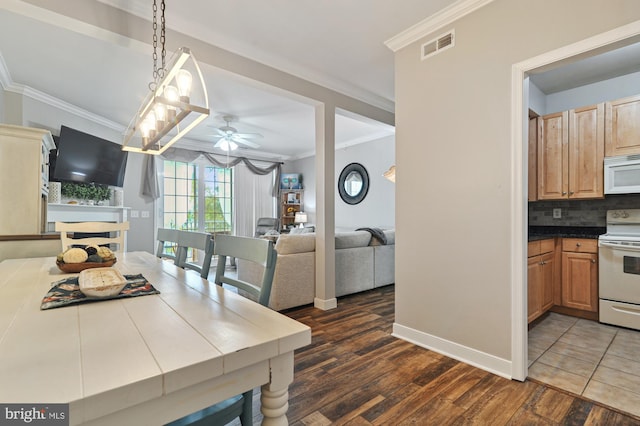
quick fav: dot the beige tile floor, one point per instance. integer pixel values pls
(598, 361)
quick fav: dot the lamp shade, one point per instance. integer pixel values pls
(391, 174)
(301, 217)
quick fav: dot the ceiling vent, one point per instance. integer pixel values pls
(437, 45)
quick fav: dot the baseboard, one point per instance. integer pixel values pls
(482, 360)
(325, 305)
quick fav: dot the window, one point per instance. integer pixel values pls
(197, 198)
(218, 200)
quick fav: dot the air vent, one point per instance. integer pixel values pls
(438, 44)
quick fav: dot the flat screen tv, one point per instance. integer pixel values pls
(89, 159)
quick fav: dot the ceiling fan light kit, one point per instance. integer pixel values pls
(230, 139)
(174, 105)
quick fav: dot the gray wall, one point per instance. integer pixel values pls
(606, 90)
(454, 156)
(378, 207)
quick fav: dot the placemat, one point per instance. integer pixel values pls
(67, 292)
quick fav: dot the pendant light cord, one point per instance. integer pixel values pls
(158, 73)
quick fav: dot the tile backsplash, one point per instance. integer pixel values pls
(580, 212)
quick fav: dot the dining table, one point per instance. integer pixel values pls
(144, 360)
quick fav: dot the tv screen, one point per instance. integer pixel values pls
(90, 159)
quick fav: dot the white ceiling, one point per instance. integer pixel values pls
(340, 47)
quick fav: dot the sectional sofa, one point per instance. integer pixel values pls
(362, 263)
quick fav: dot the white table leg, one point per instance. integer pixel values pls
(275, 395)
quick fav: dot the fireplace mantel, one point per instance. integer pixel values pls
(84, 213)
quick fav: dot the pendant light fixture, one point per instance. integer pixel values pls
(176, 103)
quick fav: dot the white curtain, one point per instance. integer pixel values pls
(253, 198)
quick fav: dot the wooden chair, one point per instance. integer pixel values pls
(119, 228)
(194, 240)
(166, 235)
(261, 252)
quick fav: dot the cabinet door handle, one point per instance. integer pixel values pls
(593, 261)
(564, 192)
(570, 192)
(578, 244)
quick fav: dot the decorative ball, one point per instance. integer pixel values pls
(94, 258)
(91, 250)
(105, 253)
(75, 255)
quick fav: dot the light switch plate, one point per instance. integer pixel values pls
(144, 213)
(135, 213)
(557, 213)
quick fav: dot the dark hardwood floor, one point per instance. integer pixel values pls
(356, 373)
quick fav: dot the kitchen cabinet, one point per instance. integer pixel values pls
(580, 274)
(291, 202)
(622, 136)
(541, 269)
(571, 154)
(24, 173)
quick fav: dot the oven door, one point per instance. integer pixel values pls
(619, 272)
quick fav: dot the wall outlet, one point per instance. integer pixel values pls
(557, 213)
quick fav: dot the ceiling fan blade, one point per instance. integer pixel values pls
(248, 135)
(245, 142)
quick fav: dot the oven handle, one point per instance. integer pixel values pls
(619, 246)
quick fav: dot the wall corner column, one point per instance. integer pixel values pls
(325, 204)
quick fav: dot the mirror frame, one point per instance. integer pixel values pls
(349, 168)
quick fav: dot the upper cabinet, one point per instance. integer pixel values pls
(24, 173)
(623, 127)
(571, 154)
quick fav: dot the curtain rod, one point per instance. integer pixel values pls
(248, 158)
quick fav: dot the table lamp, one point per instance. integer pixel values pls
(301, 218)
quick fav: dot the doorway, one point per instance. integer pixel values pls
(520, 102)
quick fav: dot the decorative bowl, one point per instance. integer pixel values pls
(101, 282)
(78, 267)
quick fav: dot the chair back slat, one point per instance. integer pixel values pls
(166, 235)
(195, 240)
(255, 250)
(119, 228)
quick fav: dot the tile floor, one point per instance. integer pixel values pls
(587, 358)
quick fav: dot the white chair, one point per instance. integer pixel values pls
(119, 228)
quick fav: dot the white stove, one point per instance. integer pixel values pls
(619, 269)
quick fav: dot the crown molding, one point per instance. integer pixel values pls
(5, 76)
(436, 21)
(10, 86)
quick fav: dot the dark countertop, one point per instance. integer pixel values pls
(543, 232)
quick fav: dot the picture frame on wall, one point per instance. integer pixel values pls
(291, 181)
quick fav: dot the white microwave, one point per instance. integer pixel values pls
(622, 175)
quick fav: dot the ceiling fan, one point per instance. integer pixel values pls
(229, 139)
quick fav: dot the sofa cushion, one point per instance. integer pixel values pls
(297, 243)
(352, 239)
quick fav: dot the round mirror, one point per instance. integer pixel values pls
(353, 183)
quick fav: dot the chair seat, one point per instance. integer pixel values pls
(219, 414)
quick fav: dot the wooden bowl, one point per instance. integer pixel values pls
(70, 268)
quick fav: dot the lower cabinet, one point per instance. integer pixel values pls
(580, 274)
(540, 278)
